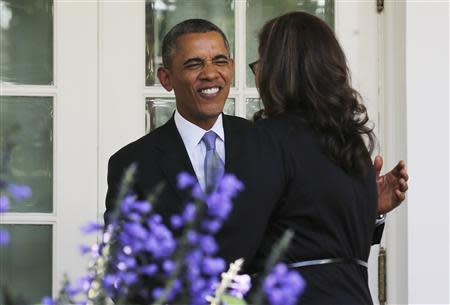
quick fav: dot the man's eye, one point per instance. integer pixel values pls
(194, 65)
(221, 62)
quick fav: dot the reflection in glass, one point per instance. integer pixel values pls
(162, 15)
(25, 278)
(252, 105)
(26, 149)
(159, 110)
(261, 11)
(26, 42)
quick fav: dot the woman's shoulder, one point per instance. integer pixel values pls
(285, 126)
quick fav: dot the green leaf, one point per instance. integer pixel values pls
(231, 300)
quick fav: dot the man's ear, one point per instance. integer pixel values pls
(164, 78)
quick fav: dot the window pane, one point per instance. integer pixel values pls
(252, 105)
(26, 42)
(25, 278)
(162, 15)
(261, 11)
(26, 149)
(160, 110)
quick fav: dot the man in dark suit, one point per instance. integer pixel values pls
(198, 67)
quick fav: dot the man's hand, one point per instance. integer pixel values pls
(391, 187)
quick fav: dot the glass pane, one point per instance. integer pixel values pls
(252, 105)
(260, 11)
(160, 110)
(162, 15)
(26, 149)
(26, 42)
(27, 279)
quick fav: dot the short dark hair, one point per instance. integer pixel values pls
(169, 43)
(303, 70)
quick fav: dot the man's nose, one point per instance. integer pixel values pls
(209, 71)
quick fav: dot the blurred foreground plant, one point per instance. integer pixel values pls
(145, 259)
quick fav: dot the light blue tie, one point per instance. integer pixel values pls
(213, 167)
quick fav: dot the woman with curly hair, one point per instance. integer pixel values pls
(319, 124)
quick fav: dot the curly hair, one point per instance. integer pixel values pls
(302, 69)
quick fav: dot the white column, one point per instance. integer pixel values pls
(76, 128)
(427, 93)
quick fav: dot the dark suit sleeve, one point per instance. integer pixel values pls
(115, 171)
(377, 234)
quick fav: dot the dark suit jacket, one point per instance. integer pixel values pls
(251, 156)
(160, 156)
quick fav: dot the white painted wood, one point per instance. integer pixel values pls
(427, 96)
(393, 146)
(240, 56)
(121, 81)
(75, 132)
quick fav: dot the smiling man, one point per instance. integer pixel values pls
(198, 67)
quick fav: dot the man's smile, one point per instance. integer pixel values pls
(209, 91)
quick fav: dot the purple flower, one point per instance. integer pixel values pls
(168, 266)
(156, 293)
(213, 266)
(48, 301)
(19, 192)
(149, 269)
(219, 205)
(185, 180)
(125, 262)
(230, 185)
(283, 287)
(189, 212)
(84, 249)
(212, 226)
(84, 283)
(142, 207)
(197, 285)
(160, 241)
(192, 237)
(240, 286)
(4, 204)
(135, 230)
(128, 278)
(111, 283)
(176, 221)
(91, 227)
(208, 244)
(4, 237)
(194, 257)
(125, 205)
(72, 291)
(197, 192)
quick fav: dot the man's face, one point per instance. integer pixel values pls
(200, 73)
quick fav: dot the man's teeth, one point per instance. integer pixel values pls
(210, 90)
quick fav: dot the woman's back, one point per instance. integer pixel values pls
(331, 212)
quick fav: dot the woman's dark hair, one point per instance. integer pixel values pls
(302, 69)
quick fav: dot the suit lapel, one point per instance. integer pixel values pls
(174, 158)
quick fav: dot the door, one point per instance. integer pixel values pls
(48, 140)
(79, 80)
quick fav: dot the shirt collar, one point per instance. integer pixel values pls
(192, 134)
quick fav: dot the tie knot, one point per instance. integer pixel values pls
(209, 139)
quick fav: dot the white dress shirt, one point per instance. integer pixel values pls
(192, 135)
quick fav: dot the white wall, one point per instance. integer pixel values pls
(427, 93)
